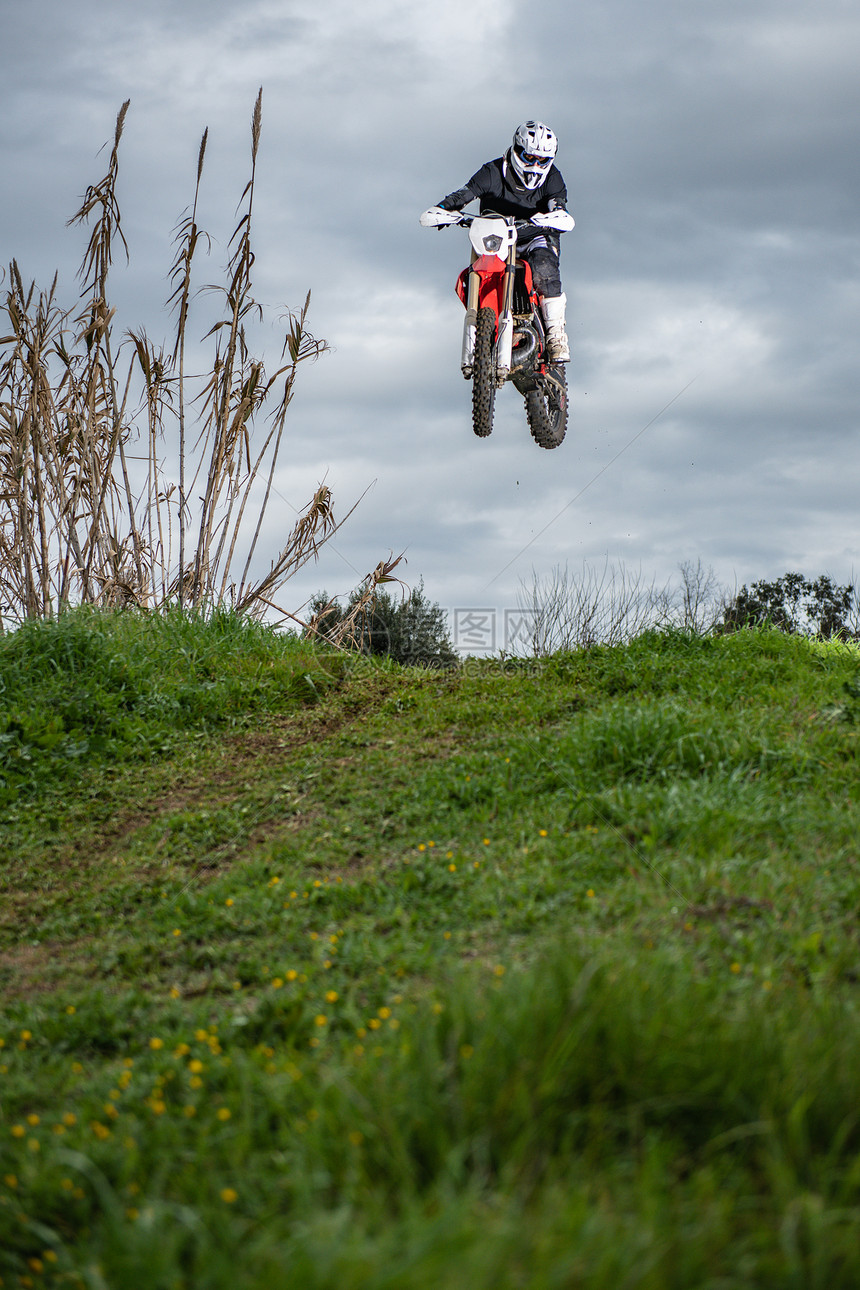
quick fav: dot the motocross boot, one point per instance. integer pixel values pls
(553, 309)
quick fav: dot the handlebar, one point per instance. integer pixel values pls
(465, 221)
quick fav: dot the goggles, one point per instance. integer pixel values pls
(533, 159)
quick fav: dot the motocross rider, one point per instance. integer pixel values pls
(526, 184)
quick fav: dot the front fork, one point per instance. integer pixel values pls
(505, 337)
(505, 340)
(470, 324)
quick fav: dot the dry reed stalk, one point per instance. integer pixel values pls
(79, 522)
(350, 629)
(188, 236)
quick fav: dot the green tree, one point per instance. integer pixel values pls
(794, 605)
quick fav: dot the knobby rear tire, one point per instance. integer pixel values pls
(546, 412)
(484, 374)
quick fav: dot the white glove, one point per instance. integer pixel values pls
(560, 220)
(436, 216)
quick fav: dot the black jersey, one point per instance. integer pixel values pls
(497, 186)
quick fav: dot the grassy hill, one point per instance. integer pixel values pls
(320, 972)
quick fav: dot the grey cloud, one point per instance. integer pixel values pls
(707, 150)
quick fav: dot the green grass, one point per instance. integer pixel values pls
(345, 975)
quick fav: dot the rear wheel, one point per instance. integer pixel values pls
(484, 374)
(546, 409)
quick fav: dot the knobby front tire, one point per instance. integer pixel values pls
(484, 374)
(546, 412)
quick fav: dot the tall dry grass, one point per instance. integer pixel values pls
(82, 401)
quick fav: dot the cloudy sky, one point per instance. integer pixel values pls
(709, 148)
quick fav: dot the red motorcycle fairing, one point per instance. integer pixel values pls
(491, 271)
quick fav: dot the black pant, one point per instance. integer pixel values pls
(543, 259)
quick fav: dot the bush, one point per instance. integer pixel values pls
(411, 630)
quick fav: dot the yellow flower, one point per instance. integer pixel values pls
(374, 1023)
(356, 1138)
(229, 901)
(331, 996)
(277, 983)
(320, 1020)
(201, 1035)
(71, 1009)
(736, 967)
(590, 893)
(223, 1113)
(229, 1196)
(10, 1180)
(32, 1120)
(452, 868)
(26, 1034)
(177, 931)
(385, 1013)
(156, 1043)
(292, 974)
(499, 969)
(69, 1118)
(196, 1066)
(543, 833)
(189, 1111)
(18, 1131)
(195, 1082)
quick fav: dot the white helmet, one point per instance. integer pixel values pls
(532, 152)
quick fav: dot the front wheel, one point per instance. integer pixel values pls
(484, 374)
(546, 409)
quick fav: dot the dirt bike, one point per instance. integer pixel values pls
(504, 334)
